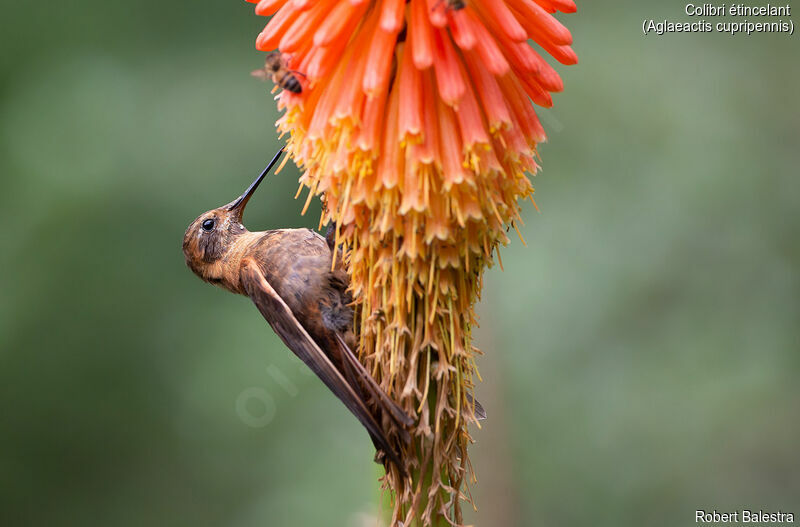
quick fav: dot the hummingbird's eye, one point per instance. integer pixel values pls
(208, 225)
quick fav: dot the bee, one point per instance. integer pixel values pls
(452, 5)
(276, 68)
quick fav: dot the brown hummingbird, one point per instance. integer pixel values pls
(290, 276)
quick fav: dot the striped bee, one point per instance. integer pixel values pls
(452, 5)
(275, 67)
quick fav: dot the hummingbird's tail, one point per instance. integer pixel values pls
(363, 382)
(378, 396)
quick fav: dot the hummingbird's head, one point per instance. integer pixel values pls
(212, 234)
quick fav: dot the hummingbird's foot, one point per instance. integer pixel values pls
(330, 235)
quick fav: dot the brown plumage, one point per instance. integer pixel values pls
(287, 274)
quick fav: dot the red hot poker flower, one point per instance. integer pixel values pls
(414, 122)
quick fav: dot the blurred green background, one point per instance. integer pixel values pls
(642, 354)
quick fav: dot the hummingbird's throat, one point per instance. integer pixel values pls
(225, 271)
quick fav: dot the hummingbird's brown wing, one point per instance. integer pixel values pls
(294, 335)
(376, 392)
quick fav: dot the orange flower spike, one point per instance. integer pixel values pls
(470, 121)
(419, 144)
(498, 13)
(379, 60)
(565, 6)
(276, 27)
(521, 57)
(462, 31)
(297, 35)
(450, 147)
(564, 54)
(437, 12)
(488, 163)
(523, 112)
(546, 5)
(514, 140)
(437, 226)
(537, 21)
(318, 128)
(339, 18)
(547, 76)
(267, 7)
(486, 46)
(448, 75)
(537, 94)
(468, 202)
(369, 138)
(409, 82)
(412, 200)
(390, 154)
(323, 59)
(427, 151)
(392, 12)
(298, 58)
(420, 34)
(369, 134)
(351, 96)
(490, 94)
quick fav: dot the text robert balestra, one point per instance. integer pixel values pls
(743, 516)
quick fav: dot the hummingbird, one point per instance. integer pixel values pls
(296, 279)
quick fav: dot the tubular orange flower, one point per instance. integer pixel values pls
(415, 125)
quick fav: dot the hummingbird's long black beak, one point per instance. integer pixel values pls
(242, 200)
